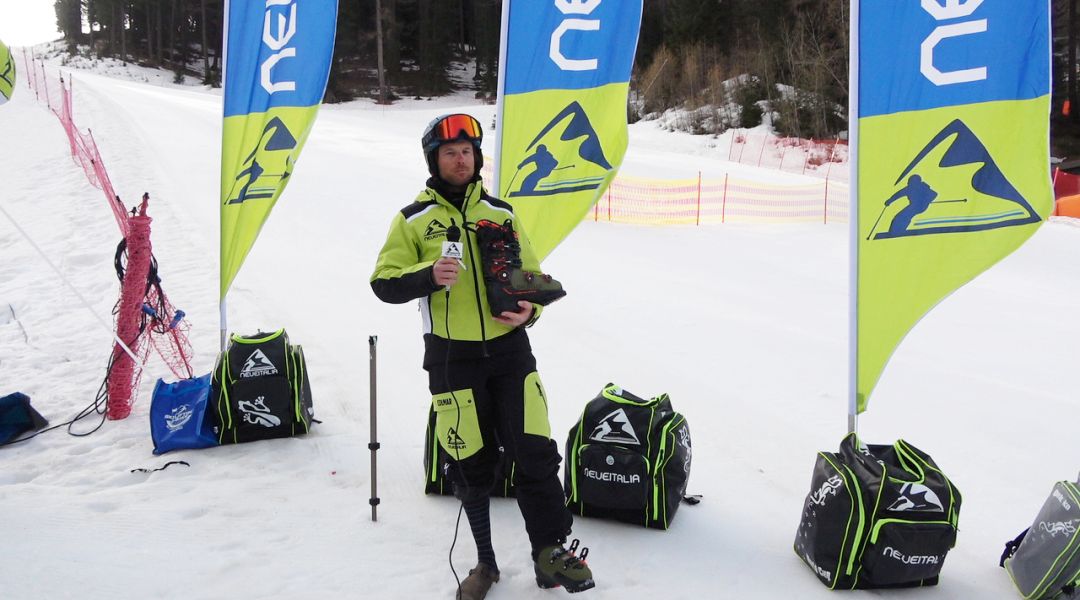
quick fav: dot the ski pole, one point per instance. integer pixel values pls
(373, 445)
(877, 221)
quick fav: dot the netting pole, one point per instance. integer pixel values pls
(826, 200)
(373, 445)
(45, 81)
(723, 203)
(33, 69)
(132, 293)
(698, 198)
(764, 143)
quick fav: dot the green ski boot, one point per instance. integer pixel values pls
(557, 566)
(506, 282)
(477, 584)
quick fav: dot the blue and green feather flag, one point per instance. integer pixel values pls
(951, 127)
(562, 115)
(277, 61)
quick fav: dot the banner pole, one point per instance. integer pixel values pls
(223, 327)
(222, 310)
(500, 100)
(853, 219)
(373, 445)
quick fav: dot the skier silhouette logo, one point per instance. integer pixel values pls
(276, 143)
(547, 177)
(978, 195)
(916, 497)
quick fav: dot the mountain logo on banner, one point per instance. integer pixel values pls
(258, 365)
(570, 138)
(615, 428)
(953, 185)
(917, 497)
(275, 146)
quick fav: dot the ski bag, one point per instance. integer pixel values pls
(628, 459)
(1044, 561)
(877, 517)
(260, 389)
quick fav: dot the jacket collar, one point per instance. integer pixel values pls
(436, 190)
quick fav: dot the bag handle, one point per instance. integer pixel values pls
(1011, 547)
(619, 395)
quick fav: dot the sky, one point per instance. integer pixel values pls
(27, 22)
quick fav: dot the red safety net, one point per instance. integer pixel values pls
(145, 319)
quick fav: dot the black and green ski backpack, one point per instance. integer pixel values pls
(260, 389)
(877, 517)
(628, 459)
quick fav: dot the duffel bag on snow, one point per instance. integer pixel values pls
(437, 467)
(17, 417)
(1044, 561)
(628, 459)
(877, 517)
(261, 389)
(180, 417)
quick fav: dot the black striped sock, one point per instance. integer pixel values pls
(479, 513)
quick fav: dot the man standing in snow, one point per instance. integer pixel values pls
(462, 253)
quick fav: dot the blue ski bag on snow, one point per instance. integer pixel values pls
(178, 415)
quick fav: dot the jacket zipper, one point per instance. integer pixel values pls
(472, 262)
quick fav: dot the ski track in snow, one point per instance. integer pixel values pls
(744, 326)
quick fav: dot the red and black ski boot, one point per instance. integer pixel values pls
(506, 281)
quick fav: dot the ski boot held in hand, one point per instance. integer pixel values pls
(558, 566)
(506, 282)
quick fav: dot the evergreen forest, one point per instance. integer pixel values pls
(722, 63)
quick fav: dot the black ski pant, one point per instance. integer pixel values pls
(486, 403)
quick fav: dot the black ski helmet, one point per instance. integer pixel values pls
(457, 127)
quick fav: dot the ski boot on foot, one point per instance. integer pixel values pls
(477, 584)
(504, 278)
(557, 566)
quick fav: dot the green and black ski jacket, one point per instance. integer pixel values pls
(465, 329)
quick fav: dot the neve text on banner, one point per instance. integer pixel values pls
(565, 75)
(953, 174)
(277, 61)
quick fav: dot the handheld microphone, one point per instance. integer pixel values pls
(452, 247)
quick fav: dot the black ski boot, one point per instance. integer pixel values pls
(557, 566)
(506, 282)
(477, 584)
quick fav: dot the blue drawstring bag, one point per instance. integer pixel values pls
(178, 418)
